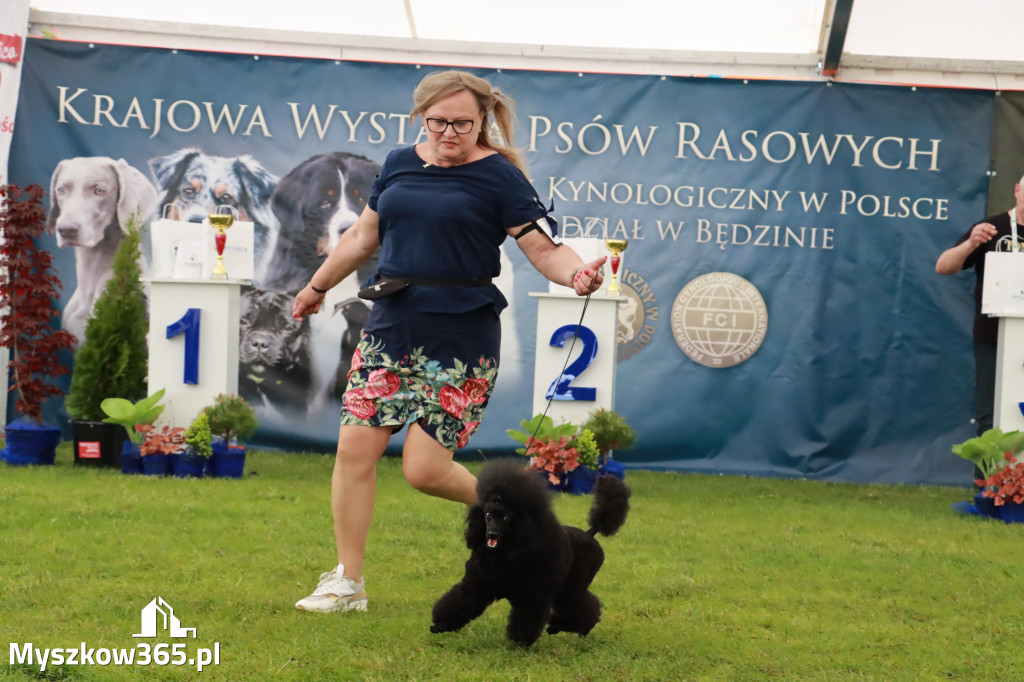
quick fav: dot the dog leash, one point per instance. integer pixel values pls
(576, 335)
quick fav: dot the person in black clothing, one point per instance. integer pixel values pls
(969, 252)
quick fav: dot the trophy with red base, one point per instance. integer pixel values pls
(616, 246)
(221, 221)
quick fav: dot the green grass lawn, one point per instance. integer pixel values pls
(712, 578)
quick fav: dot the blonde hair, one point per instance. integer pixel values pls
(492, 102)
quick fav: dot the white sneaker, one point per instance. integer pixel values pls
(335, 592)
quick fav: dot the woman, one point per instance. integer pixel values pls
(428, 356)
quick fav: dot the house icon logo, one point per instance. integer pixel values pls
(158, 611)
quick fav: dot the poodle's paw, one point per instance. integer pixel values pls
(525, 642)
(438, 628)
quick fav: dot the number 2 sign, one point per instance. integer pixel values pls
(561, 388)
(574, 370)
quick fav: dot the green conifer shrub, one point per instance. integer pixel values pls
(113, 361)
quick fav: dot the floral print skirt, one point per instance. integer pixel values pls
(436, 369)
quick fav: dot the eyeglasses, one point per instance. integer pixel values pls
(439, 125)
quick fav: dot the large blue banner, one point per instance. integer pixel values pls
(783, 315)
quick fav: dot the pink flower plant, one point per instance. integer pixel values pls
(553, 456)
(1006, 484)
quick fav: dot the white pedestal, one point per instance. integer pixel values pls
(1007, 414)
(212, 357)
(1004, 280)
(588, 382)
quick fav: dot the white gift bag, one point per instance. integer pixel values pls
(177, 249)
(1002, 292)
(187, 250)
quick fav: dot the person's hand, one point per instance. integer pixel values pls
(982, 232)
(588, 277)
(307, 302)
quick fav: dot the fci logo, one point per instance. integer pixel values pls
(719, 319)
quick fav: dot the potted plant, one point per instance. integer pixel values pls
(989, 452)
(556, 458)
(1005, 487)
(158, 448)
(566, 454)
(128, 415)
(231, 418)
(29, 288)
(540, 428)
(611, 432)
(198, 449)
(112, 359)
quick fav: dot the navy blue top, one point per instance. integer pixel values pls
(449, 222)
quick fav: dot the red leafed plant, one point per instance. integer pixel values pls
(165, 441)
(553, 456)
(1006, 484)
(29, 288)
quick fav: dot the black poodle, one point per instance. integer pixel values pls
(520, 552)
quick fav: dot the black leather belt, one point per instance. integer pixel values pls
(392, 285)
(445, 281)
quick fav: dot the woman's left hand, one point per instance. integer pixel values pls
(588, 277)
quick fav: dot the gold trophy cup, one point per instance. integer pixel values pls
(616, 246)
(221, 221)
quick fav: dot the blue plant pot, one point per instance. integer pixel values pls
(1012, 512)
(226, 462)
(986, 506)
(188, 465)
(131, 460)
(616, 469)
(157, 465)
(580, 481)
(30, 443)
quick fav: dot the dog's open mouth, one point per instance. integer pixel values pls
(492, 542)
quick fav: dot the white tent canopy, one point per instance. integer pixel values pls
(939, 43)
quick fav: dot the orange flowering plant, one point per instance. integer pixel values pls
(555, 456)
(166, 441)
(1005, 484)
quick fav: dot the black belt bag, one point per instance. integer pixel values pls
(388, 286)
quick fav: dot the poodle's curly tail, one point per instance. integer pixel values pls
(611, 504)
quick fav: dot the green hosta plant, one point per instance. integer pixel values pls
(990, 450)
(542, 429)
(129, 414)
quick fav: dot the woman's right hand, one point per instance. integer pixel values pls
(307, 302)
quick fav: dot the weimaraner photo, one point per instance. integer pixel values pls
(91, 199)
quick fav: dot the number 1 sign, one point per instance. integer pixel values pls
(192, 363)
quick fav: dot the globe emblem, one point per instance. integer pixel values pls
(719, 319)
